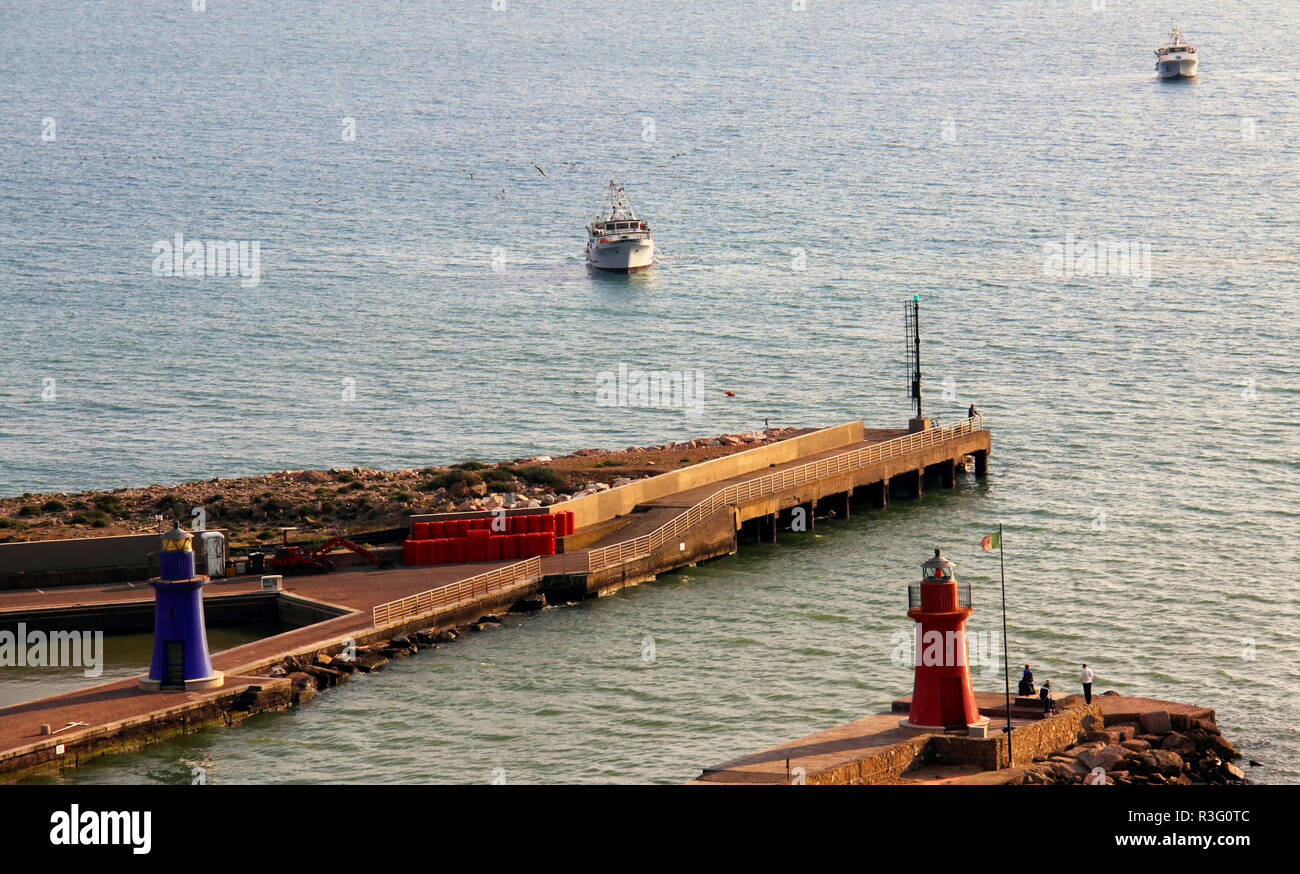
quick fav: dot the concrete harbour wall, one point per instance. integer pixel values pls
(619, 501)
(78, 561)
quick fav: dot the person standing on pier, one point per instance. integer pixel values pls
(972, 412)
(1085, 677)
(1046, 694)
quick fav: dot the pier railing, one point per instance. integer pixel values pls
(628, 550)
(520, 575)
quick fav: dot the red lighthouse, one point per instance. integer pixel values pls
(941, 694)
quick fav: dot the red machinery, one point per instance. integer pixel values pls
(292, 558)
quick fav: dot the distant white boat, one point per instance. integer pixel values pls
(1175, 59)
(617, 240)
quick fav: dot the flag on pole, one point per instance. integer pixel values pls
(992, 541)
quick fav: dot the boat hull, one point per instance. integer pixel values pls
(1176, 68)
(622, 256)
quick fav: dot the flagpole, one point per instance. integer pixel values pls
(1006, 662)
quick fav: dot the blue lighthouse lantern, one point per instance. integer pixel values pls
(181, 661)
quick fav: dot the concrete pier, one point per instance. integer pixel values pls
(701, 522)
(625, 536)
(876, 750)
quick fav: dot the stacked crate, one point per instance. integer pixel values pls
(451, 541)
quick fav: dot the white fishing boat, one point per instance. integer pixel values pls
(1175, 59)
(617, 240)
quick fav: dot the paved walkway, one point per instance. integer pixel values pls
(23, 600)
(101, 706)
(853, 741)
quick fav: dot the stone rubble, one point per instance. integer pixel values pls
(1197, 755)
(326, 671)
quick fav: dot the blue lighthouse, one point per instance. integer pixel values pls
(180, 640)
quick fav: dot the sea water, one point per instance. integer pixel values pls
(1106, 265)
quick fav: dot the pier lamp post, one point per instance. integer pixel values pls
(942, 696)
(180, 640)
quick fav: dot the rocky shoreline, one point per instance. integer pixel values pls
(1160, 749)
(325, 671)
(325, 503)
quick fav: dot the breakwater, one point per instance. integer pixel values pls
(708, 515)
(1115, 740)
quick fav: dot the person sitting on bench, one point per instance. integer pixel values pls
(1026, 683)
(1049, 706)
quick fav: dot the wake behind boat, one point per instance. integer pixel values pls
(1176, 59)
(617, 240)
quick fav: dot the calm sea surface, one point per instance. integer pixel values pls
(422, 299)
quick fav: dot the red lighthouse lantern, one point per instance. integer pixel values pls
(942, 696)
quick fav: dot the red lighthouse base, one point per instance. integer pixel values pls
(942, 697)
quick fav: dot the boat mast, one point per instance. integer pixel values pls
(616, 206)
(1175, 41)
